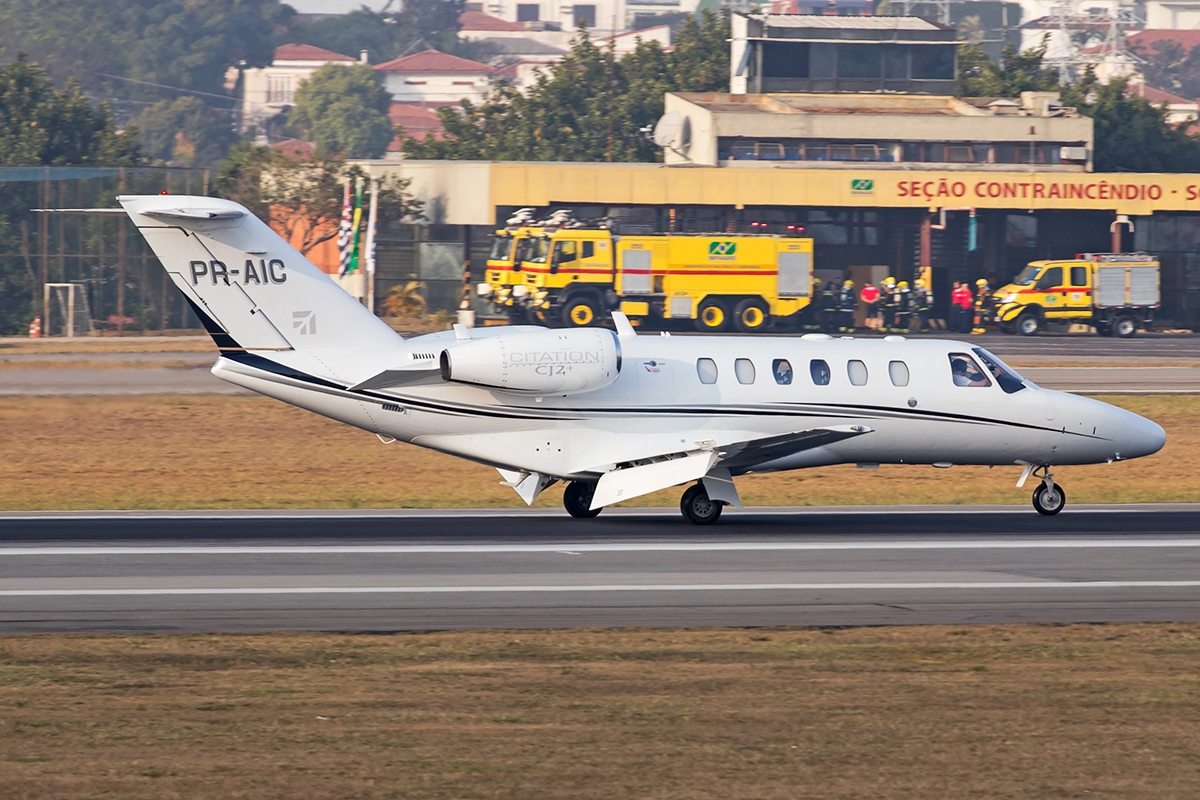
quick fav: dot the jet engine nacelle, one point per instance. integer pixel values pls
(537, 362)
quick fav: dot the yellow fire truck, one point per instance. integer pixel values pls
(1115, 292)
(509, 250)
(575, 275)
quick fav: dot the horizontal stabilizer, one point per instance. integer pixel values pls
(195, 213)
(391, 378)
(625, 484)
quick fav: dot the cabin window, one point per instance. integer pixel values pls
(819, 371)
(743, 368)
(857, 371)
(966, 372)
(1079, 276)
(782, 370)
(588, 250)
(898, 372)
(706, 368)
(1050, 279)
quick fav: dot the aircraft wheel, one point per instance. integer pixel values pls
(751, 316)
(1125, 327)
(1028, 324)
(577, 499)
(713, 317)
(698, 509)
(580, 312)
(1049, 502)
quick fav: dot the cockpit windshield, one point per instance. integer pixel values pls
(501, 249)
(1008, 379)
(539, 248)
(1027, 276)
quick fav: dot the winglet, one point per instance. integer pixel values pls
(624, 329)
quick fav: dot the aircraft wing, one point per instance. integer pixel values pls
(646, 475)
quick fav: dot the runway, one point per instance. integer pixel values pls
(419, 570)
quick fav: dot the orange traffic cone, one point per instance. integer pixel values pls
(35, 328)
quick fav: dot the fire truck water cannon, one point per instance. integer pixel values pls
(537, 362)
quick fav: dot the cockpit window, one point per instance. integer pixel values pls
(1008, 379)
(966, 372)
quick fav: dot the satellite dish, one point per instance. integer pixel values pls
(667, 128)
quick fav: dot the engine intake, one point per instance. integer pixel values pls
(537, 362)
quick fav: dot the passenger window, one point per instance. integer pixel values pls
(743, 368)
(1079, 276)
(819, 371)
(857, 371)
(1051, 278)
(706, 368)
(589, 250)
(898, 372)
(782, 371)
(966, 372)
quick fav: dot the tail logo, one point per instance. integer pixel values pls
(305, 321)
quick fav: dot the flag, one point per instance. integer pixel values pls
(355, 226)
(372, 218)
(344, 234)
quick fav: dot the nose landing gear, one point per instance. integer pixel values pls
(1049, 498)
(698, 508)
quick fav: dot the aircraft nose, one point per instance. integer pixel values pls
(1134, 436)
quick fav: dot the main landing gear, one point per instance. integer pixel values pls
(698, 508)
(577, 499)
(1048, 498)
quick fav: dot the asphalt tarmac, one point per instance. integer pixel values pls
(420, 570)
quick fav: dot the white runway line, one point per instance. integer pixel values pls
(697, 587)
(603, 547)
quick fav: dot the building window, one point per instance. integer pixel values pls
(743, 368)
(279, 89)
(781, 368)
(898, 372)
(527, 12)
(857, 372)
(584, 14)
(706, 368)
(819, 371)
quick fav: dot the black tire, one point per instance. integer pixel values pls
(577, 500)
(712, 316)
(1008, 328)
(1125, 327)
(751, 315)
(580, 311)
(518, 315)
(1028, 324)
(1048, 504)
(697, 508)
(1104, 328)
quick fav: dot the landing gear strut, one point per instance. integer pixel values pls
(577, 499)
(1049, 498)
(697, 506)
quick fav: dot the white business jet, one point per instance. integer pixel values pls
(614, 414)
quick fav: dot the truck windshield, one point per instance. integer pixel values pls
(538, 250)
(501, 249)
(522, 253)
(1027, 275)
(1009, 380)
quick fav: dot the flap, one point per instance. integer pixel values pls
(625, 484)
(769, 448)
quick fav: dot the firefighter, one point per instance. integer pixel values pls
(921, 304)
(829, 307)
(983, 294)
(960, 308)
(847, 305)
(888, 304)
(904, 306)
(870, 298)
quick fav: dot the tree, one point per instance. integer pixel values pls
(1168, 66)
(185, 132)
(979, 76)
(1131, 134)
(588, 107)
(41, 125)
(344, 110)
(302, 195)
(181, 43)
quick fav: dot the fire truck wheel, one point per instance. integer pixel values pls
(713, 317)
(751, 316)
(1104, 328)
(580, 312)
(518, 315)
(1028, 324)
(1125, 327)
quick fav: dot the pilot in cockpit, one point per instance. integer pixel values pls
(966, 372)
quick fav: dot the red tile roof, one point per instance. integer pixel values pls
(1156, 96)
(418, 122)
(1145, 40)
(479, 21)
(434, 62)
(307, 52)
(296, 148)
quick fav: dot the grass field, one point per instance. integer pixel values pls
(251, 452)
(981, 711)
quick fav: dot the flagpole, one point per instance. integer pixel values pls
(372, 218)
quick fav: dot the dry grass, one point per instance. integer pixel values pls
(252, 452)
(104, 344)
(939, 711)
(102, 364)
